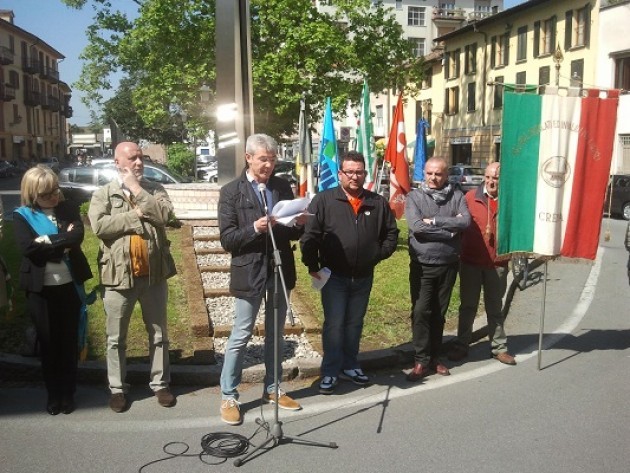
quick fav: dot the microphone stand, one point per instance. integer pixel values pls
(275, 435)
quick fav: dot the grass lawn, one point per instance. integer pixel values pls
(13, 324)
(387, 322)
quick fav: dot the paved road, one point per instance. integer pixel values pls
(571, 416)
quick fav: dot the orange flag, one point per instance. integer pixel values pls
(396, 156)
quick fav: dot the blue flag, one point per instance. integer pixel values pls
(328, 153)
(420, 152)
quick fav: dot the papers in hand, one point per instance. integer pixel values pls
(286, 211)
(324, 275)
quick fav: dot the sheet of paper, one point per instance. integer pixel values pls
(286, 211)
(324, 275)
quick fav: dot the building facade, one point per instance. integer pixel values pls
(613, 70)
(537, 43)
(34, 102)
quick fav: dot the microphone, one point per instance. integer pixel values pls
(262, 188)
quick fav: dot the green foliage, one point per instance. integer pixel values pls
(168, 53)
(84, 208)
(181, 159)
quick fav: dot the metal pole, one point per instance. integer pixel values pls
(542, 317)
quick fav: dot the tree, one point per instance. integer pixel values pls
(168, 51)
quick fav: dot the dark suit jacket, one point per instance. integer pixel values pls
(36, 255)
(239, 208)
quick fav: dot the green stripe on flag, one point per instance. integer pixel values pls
(519, 172)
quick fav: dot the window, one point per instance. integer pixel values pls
(14, 79)
(379, 116)
(577, 72)
(577, 25)
(417, 46)
(521, 48)
(545, 37)
(521, 78)
(452, 64)
(451, 102)
(624, 151)
(416, 16)
(622, 73)
(472, 99)
(471, 58)
(12, 44)
(498, 92)
(544, 75)
(399, 4)
(418, 111)
(427, 78)
(500, 50)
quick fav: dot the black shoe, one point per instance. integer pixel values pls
(67, 404)
(118, 402)
(53, 407)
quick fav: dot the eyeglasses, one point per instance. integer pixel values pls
(53, 193)
(350, 174)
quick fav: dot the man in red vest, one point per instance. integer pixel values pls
(479, 269)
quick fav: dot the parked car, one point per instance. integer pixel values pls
(286, 170)
(52, 163)
(78, 183)
(7, 169)
(465, 176)
(618, 202)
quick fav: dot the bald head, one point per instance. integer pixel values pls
(491, 177)
(129, 155)
(436, 172)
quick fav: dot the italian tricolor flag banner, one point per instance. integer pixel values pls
(555, 164)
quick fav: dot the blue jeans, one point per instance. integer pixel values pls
(345, 302)
(244, 321)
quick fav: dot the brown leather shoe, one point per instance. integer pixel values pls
(118, 402)
(505, 358)
(284, 401)
(418, 372)
(438, 367)
(165, 398)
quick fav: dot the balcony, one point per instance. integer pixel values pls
(51, 74)
(44, 101)
(7, 92)
(31, 65)
(449, 14)
(6, 56)
(479, 15)
(32, 98)
(53, 103)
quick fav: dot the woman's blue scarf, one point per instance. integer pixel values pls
(38, 221)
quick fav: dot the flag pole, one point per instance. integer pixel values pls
(542, 317)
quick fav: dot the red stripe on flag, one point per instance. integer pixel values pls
(396, 155)
(592, 167)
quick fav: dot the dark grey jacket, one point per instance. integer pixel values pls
(439, 242)
(252, 253)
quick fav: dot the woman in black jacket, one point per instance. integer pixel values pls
(49, 232)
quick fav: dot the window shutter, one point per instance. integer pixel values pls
(554, 21)
(568, 29)
(457, 59)
(447, 65)
(493, 51)
(536, 38)
(587, 26)
(466, 59)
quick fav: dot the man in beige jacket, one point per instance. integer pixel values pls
(129, 216)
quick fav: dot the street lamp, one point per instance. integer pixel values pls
(557, 59)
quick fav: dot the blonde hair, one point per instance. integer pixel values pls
(36, 181)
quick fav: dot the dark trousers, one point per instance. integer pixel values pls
(55, 314)
(431, 287)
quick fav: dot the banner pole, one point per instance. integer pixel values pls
(542, 316)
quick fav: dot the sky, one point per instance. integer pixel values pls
(64, 29)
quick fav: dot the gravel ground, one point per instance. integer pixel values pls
(221, 309)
